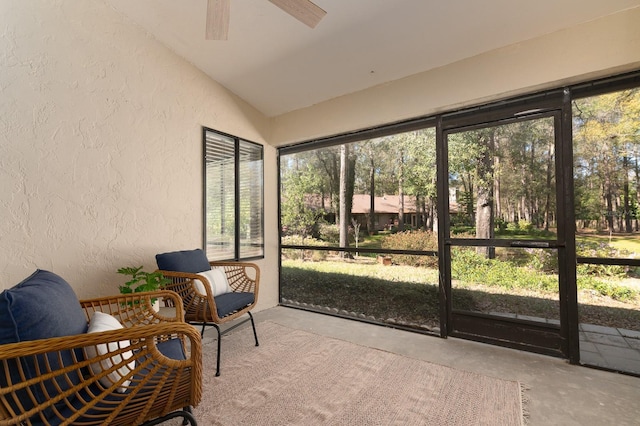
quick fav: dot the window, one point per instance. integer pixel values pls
(233, 197)
(343, 207)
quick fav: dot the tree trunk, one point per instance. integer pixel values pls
(637, 179)
(547, 203)
(401, 192)
(496, 190)
(344, 216)
(484, 198)
(371, 222)
(609, 202)
(627, 208)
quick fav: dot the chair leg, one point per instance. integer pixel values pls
(255, 335)
(202, 332)
(189, 418)
(253, 324)
(219, 346)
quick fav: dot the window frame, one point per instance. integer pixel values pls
(236, 246)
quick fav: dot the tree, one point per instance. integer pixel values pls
(344, 212)
(420, 175)
(485, 183)
(299, 181)
(606, 136)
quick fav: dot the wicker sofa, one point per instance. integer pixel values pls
(111, 360)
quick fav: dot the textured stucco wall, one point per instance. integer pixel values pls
(100, 146)
(598, 48)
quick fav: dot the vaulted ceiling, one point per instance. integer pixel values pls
(277, 64)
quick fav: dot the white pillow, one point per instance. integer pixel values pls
(105, 322)
(218, 280)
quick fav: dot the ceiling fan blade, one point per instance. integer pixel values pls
(217, 19)
(304, 11)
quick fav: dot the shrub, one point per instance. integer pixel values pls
(412, 240)
(601, 249)
(500, 224)
(513, 227)
(525, 225)
(542, 260)
(299, 240)
(329, 233)
(613, 291)
(468, 266)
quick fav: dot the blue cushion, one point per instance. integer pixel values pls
(172, 348)
(228, 303)
(191, 261)
(40, 307)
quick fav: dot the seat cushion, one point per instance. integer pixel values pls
(40, 307)
(228, 303)
(172, 348)
(192, 261)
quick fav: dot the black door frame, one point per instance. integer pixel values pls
(558, 99)
(532, 336)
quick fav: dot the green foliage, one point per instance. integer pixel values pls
(617, 292)
(500, 224)
(525, 225)
(299, 240)
(141, 281)
(602, 250)
(521, 228)
(470, 267)
(299, 215)
(413, 240)
(606, 140)
(402, 293)
(460, 230)
(329, 233)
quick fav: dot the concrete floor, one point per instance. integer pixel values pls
(612, 348)
(557, 393)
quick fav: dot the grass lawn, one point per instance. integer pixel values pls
(364, 288)
(624, 242)
(409, 295)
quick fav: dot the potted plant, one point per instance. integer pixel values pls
(142, 281)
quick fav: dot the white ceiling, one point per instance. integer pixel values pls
(277, 64)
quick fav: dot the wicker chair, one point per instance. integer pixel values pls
(202, 307)
(69, 379)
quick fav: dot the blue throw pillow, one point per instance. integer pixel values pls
(42, 306)
(191, 261)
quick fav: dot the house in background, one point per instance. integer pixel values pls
(104, 101)
(387, 208)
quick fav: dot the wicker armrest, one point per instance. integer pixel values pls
(157, 385)
(136, 308)
(201, 308)
(242, 276)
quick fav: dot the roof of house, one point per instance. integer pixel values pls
(385, 204)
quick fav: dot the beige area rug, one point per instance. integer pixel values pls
(300, 378)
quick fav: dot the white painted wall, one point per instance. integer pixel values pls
(101, 145)
(602, 47)
(100, 131)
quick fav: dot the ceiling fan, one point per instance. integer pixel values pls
(217, 28)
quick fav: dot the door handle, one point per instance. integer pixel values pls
(530, 244)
